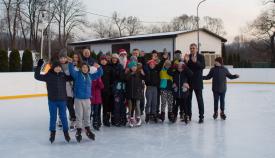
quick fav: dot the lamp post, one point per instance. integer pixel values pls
(42, 10)
(198, 24)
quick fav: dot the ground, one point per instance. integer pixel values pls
(248, 131)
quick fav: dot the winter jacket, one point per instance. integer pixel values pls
(134, 86)
(166, 81)
(90, 61)
(196, 81)
(118, 77)
(69, 84)
(96, 91)
(83, 82)
(219, 74)
(179, 78)
(56, 84)
(107, 79)
(152, 75)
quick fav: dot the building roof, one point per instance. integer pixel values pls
(143, 37)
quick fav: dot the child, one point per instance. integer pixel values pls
(119, 109)
(107, 90)
(82, 93)
(219, 74)
(166, 82)
(181, 87)
(134, 93)
(57, 97)
(152, 83)
(96, 101)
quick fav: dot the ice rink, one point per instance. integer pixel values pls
(249, 131)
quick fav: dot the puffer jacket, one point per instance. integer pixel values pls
(83, 82)
(96, 91)
(134, 86)
(56, 84)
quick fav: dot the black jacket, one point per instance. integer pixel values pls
(179, 78)
(118, 77)
(152, 75)
(219, 74)
(107, 78)
(90, 61)
(196, 81)
(56, 84)
(134, 86)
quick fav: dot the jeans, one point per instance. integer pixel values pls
(96, 113)
(61, 106)
(219, 97)
(151, 98)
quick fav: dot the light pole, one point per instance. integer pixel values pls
(49, 29)
(42, 10)
(198, 24)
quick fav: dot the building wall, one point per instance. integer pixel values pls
(145, 45)
(208, 42)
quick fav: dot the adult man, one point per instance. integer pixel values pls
(196, 63)
(87, 57)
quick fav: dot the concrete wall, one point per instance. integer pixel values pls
(208, 42)
(24, 83)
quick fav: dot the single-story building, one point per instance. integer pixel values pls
(211, 44)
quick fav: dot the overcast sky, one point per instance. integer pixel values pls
(235, 13)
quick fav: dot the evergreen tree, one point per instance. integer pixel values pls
(4, 61)
(15, 61)
(27, 61)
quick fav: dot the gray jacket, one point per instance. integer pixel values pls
(219, 75)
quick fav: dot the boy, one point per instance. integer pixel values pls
(57, 97)
(219, 73)
(82, 93)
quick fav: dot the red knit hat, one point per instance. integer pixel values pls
(122, 51)
(152, 61)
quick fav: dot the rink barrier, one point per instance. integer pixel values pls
(44, 95)
(22, 96)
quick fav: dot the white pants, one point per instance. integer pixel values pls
(82, 112)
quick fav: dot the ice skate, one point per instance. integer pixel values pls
(89, 133)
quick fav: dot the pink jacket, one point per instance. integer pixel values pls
(97, 86)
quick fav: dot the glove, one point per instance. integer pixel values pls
(40, 62)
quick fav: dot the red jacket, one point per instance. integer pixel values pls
(97, 87)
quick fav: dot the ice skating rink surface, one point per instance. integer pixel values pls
(249, 131)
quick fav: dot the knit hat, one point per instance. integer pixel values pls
(55, 64)
(132, 64)
(154, 52)
(63, 53)
(115, 56)
(122, 51)
(219, 60)
(103, 57)
(177, 52)
(152, 61)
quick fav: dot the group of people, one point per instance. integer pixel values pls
(127, 87)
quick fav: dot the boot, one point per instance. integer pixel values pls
(139, 121)
(223, 116)
(186, 118)
(52, 136)
(162, 116)
(67, 136)
(155, 118)
(215, 115)
(89, 133)
(181, 116)
(200, 120)
(147, 118)
(78, 135)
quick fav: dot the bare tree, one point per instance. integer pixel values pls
(119, 22)
(69, 16)
(133, 25)
(104, 28)
(263, 28)
(214, 24)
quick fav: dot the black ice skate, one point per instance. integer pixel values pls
(67, 136)
(215, 115)
(89, 133)
(223, 116)
(52, 136)
(78, 136)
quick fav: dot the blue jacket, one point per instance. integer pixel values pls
(83, 82)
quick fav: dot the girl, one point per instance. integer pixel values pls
(134, 93)
(57, 97)
(82, 93)
(219, 73)
(107, 90)
(180, 86)
(166, 82)
(96, 101)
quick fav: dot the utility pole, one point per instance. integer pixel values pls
(198, 24)
(49, 30)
